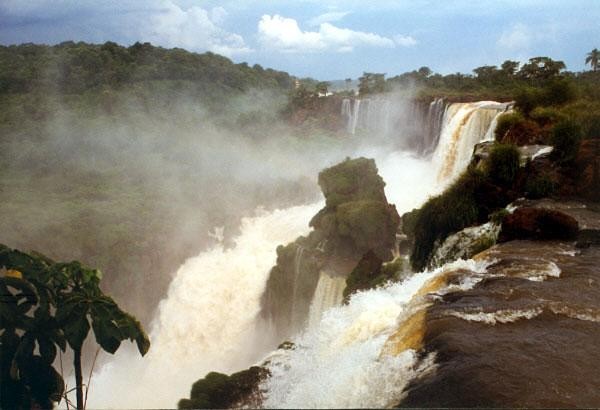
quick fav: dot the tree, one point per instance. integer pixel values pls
(50, 305)
(509, 68)
(541, 69)
(592, 59)
(322, 87)
(486, 73)
(371, 83)
(424, 71)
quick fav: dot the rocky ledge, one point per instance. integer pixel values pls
(525, 335)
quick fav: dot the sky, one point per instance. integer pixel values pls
(324, 39)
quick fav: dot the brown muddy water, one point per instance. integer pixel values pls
(528, 335)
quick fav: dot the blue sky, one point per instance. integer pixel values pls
(324, 39)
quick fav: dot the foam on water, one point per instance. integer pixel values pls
(208, 321)
(342, 363)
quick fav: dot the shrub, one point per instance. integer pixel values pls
(591, 126)
(566, 138)
(442, 215)
(505, 123)
(558, 92)
(546, 115)
(498, 216)
(527, 99)
(503, 164)
(539, 187)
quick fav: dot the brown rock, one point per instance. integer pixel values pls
(538, 223)
(588, 181)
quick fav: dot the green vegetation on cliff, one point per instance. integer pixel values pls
(219, 391)
(356, 219)
(470, 200)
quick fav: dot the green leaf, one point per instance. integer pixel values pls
(107, 334)
(76, 330)
(47, 350)
(59, 339)
(143, 342)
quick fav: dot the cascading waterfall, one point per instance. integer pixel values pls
(297, 272)
(364, 354)
(329, 293)
(355, 357)
(465, 124)
(417, 125)
(435, 117)
(209, 320)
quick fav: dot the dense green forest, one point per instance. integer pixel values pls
(124, 157)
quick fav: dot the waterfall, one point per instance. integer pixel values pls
(297, 271)
(354, 117)
(347, 114)
(435, 117)
(464, 125)
(208, 321)
(412, 124)
(362, 354)
(328, 294)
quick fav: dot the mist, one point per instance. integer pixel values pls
(135, 186)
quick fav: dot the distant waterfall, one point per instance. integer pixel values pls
(464, 125)
(415, 124)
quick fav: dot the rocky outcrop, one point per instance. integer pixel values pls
(371, 272)
(481, 152)
(524, 334)
(538, 223)
(219, 391)
(524, 337)
(356, 219)
(465, 244)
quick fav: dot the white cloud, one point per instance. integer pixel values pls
(168, 23)
(328, 18)
(404, 41)
(284, 34)
(193, 28)
(517, 37)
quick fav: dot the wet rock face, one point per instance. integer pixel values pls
(355, 220)
(587, 181)
(525, 336)
(538, 223)
(357, 217)
(465, 244)
(351, 180)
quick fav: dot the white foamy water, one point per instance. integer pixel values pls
(329, 293)
(339, 363)
(464, 125)
(500, 316)
(208, 321)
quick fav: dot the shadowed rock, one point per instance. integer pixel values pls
(538, 223)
